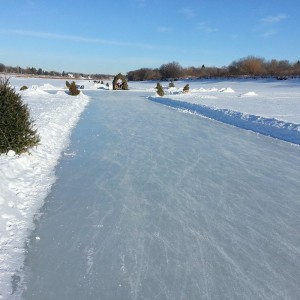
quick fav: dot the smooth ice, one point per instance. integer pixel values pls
(154, 203)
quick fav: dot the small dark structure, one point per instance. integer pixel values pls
(120, 82)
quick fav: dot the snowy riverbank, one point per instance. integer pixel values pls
(27, 179)
(267, 107)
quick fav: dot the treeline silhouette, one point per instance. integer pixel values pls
(250, 66)
(246, 67)
(40, 72)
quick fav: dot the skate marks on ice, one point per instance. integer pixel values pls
(162, 205)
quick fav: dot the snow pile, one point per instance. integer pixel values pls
(249, 94)
(173, 91)
(33, 91)
(207, 97)
(27, 179)
(203, 90)
(47, 86)
(93, 85)
(226, 90)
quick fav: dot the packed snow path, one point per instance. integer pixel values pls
(153, 203)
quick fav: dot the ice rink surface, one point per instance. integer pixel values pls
(154, 203)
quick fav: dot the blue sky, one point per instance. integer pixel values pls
(123, 35)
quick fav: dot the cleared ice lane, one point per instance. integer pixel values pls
(160, 204)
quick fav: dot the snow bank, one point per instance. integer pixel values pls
(226, 90)
(33, 91)
(249, 94)
(267, 126)
(57, 84)
(27, 179)
(204, 90)
(47, 86)
(266, 106)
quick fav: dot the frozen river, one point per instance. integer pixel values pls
(153, 203)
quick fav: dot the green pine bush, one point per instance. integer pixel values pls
(160, 90)
(73, 90)
(120, 82)
(68, 84)
(171, 84)
(16, 126)
(23, 88)
(186, 88)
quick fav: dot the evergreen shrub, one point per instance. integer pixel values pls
(16, 126)
(171, 84)
(160, 90)
(23, 88)
(186, 88)
(73, 90)
(120, 82)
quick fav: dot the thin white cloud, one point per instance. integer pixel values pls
(268, 33)
(268, 26)
(188, 13)
(274, 19)
(74, 38)
(206, 28)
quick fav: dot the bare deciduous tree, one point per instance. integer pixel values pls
(172, 70)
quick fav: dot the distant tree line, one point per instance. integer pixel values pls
(250, 66)
(40, 72)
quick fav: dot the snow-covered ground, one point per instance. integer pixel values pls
(27, 179)
(269, 107)
(267, 98)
